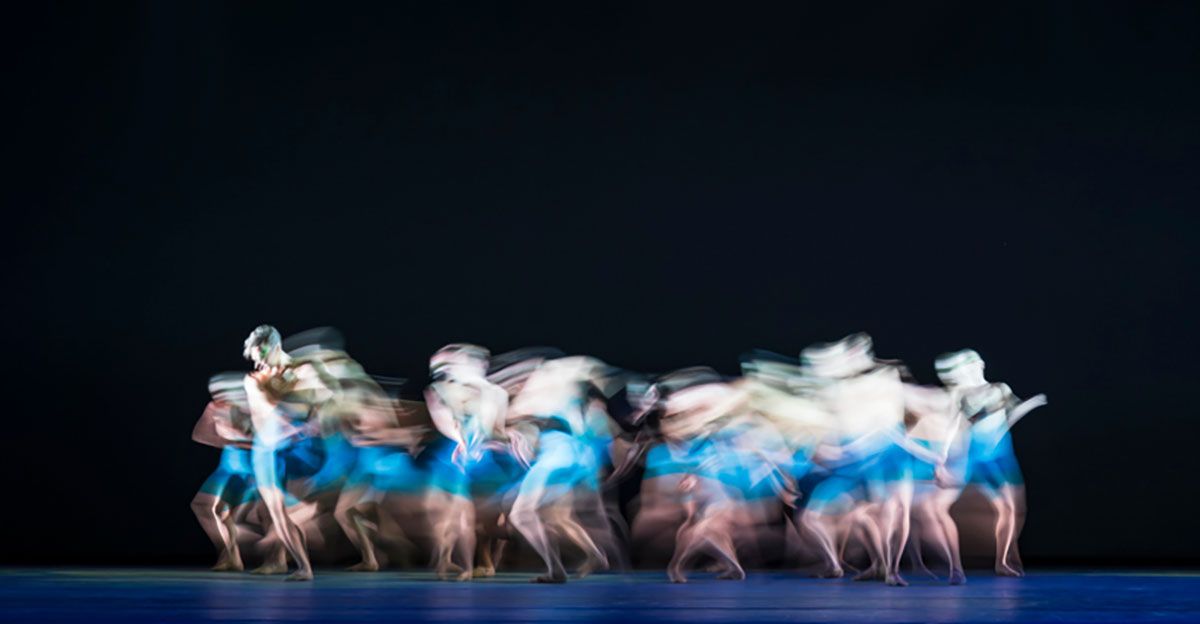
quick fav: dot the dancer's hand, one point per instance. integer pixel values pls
(648, 400)
(521, 448)
(944, 478)
(1035, 401)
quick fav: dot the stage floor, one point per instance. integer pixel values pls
(175, 595)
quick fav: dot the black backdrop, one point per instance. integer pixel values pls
(659, 186)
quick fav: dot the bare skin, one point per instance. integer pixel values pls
(486, 556)
(1008, 560)
(356, 521)
(217, 520)
(705, 533)
(994, 409)
(468, 410)
(454, 528)
(867, 405)
(268, 480)
(561, 518)
(933, 512)
(822, 527)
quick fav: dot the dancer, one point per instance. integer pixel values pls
(221, 499)
(552, 402)
(992, 409)
(697, 405)
(469, 412)
(939, 428)
(383, 468)
(869, 487)
(282, 393)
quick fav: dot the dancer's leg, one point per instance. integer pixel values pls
(822, 527)
(215, 518)
(561, 516)
(357, 526)
(1007, 539)
(525, 518)
(271, 492)
(949, 531)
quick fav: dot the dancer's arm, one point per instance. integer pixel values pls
(918, 451)
(493, 411)
(1012, 410)
(1024, 407)
(442, 416)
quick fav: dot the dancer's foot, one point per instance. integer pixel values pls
(591, 565)
(271, 567)
(957, 577)
(1004, 570)
(483, 572)
(303, 574)
(872, 573)
(732, 574)
(830, 572)
(449, 572)
(228, 563)
(895, 580)
(676, 575)
(922, 570)
(364, 566)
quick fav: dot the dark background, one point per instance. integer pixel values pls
(659, 186)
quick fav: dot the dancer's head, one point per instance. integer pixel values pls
(691, 399)
(847, 357)
(512, 369)
(264, 347)
(960, 368)
(771, 369)
(459, 360)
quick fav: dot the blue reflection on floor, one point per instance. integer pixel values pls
(158, 595)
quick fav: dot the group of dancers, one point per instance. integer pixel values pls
(834, 449)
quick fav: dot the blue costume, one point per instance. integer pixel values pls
(886, 463)
(233, 480)
(385, 469)
(991, 460)
(564, 461)
(992, 464)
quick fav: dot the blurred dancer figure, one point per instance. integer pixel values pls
(469, 411)
(870, 474)
(697, 405)
(225, 424)
(550, 418)
(992, 409)
(281, 394)
(938, 477)
(781, 394)
(496, 477)
(382, 468)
